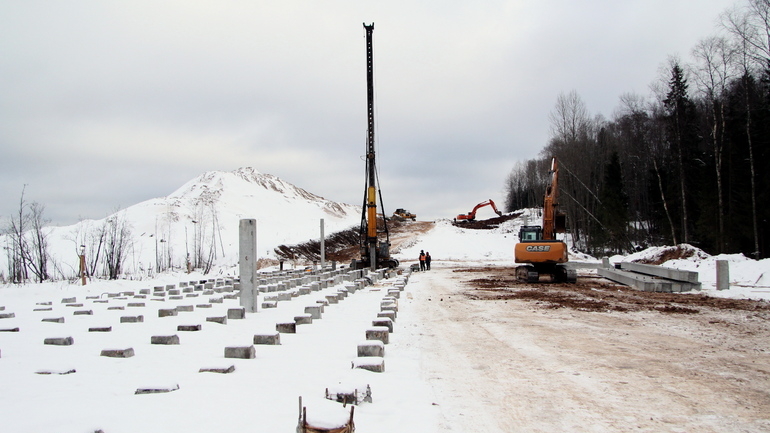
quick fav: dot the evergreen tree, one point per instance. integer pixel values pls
(682, 138)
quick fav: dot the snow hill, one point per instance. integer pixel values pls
(201, 218)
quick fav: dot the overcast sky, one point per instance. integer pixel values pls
(104, 104)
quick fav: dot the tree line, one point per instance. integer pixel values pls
(685, 165)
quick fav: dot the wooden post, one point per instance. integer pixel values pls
(323, 246)
(83, 265)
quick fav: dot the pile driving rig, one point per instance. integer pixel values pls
(538, 247)
(375, 253)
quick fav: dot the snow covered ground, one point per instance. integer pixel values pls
(261, 394)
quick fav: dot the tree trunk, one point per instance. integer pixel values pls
(665, 205)
(752, 174)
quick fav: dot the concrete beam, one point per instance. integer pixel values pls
(660, 271)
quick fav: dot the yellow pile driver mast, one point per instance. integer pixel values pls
(374, 253)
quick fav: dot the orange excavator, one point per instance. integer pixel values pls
(538, 249)
(471, 216)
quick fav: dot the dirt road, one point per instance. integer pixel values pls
(500, 362)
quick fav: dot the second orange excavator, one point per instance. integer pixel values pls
(538, 249)
(471, 216)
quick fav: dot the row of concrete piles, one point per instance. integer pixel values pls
(371, 351)
(276, 287)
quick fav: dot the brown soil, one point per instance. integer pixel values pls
(344, 246)
(597, 294)
(487, 224)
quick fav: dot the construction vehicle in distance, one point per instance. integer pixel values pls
(538, 249)
(471, 216)
(375, 252)
(403, 214)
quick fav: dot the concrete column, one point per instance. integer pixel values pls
(723, 275)
(323, 245)
(247, 247)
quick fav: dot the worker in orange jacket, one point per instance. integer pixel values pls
(422, 260)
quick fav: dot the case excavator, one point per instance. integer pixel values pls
(538, 250)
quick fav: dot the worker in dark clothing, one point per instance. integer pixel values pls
(427, 261)
(422, 260)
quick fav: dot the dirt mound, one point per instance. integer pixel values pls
(344, 246)
(487, 224)
(679, 252)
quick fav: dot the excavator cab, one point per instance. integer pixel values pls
(530, 233)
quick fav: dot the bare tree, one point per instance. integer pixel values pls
(16, 229)
(714, 68)
(37, 253)
(117, 243)
(751, 28)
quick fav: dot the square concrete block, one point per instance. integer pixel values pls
(54, 320)
(167, 312)
(100, 329)
(164, 339)
(314, 311)
(378, 333)
(118, 353)
(59, 341)
(371, 348)
(389, 314)
(132, 319)
(236, 313)
(190, 328)
(383, 321)
(156, 390)
(270, 339)
(221, 320)
(220, 370)
(303, 319)
(286, 328)
(246, 352)
(371, 363)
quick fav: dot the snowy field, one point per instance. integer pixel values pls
(261, 394)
